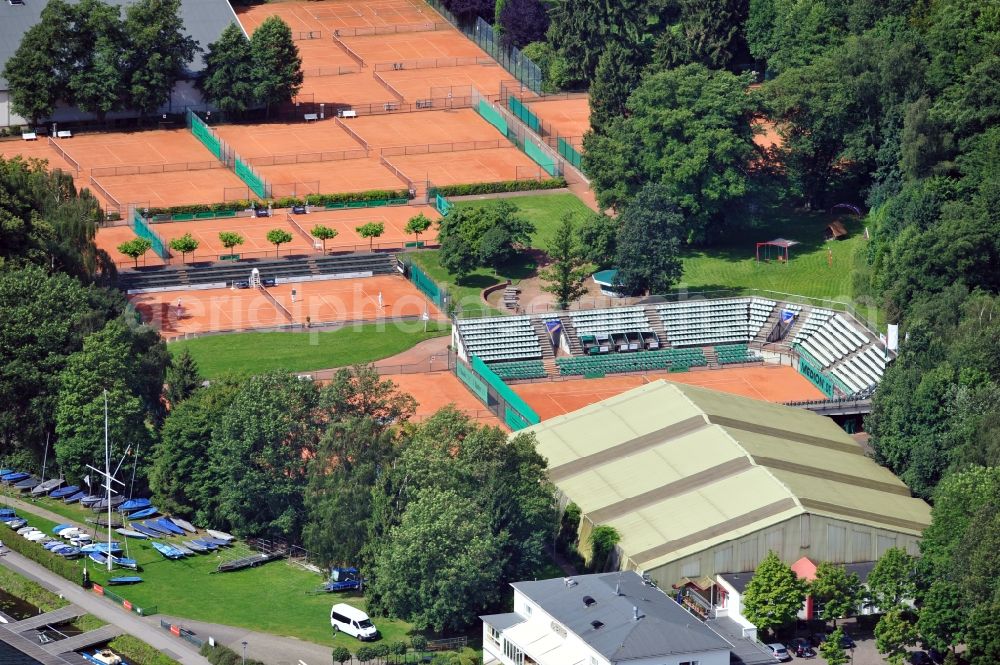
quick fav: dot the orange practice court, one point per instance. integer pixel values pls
(435, 128)
(770, 383)
(435, 390)
(323, 302)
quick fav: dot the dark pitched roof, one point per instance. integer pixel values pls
(204, 20)
(738, 581)
(663, 627)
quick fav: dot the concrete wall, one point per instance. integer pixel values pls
(7, 116)
(817, 537)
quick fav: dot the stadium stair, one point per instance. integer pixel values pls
(656, 325)
(768, 326)
(548, 352)
(195, 274)
(711, 357)
(575, 347)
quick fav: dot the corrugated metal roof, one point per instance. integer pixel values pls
(204, 20)
(677, 468)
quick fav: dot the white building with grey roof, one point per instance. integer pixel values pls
(602, 619)
(204, 21)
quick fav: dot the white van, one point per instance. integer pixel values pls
(353, 622)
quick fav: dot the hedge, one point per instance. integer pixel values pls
(38, 554)
(499, 187)
(285, 202)
(136, 651)
(30, 591)
(220, 654)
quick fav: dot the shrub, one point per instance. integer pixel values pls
(39, 554)
(136, 651)
(30, 591)
(499, 187)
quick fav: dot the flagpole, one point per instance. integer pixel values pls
(107, 471)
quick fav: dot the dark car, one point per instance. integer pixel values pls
(817, 639)
(299, 210)
(921, 658)
(800, 647)
(846, 642)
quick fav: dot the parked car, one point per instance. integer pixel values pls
(921, 658)
(800, 647)
(779, 652)
(847, 642)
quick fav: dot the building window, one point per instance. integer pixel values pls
(689, 662)
(494, 635)
(527, 609)
(513, 654)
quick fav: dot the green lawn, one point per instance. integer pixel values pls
(253, 352)
(544, 210)
(467, 293)
(809, 271)
(277, 598)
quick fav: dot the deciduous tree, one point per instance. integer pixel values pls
(893, 579)
(417, 225)
(774, 596)
(230, 239)
(228, 80)
(156, 52)
(832, 648)
(565, 278)
(522, 22)
(185, 244)
(838, 591)
(31, 74)
(649, 242)
(371, 230)
(135, 248)
(278, 237)
(893, 633)
(323, 233)
(277, 66)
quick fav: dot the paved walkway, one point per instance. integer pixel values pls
(271, 649)
(145, 628)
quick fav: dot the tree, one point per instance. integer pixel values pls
(183, 378)
(228, 78)
(838, 591)
(618, 74)
(486, 236)
(893, 633)
(417, 225)
(360, 392)
(832, 648)
(185, 244)
(398, 649)
(691, 130)
(278, 237)
(97, 81)
(365, 654)
(597, 239)
(707, 33)
(522, 22)
(943, 616)
(135, 248)
(371, 230)
(893, 579)
(31, 74)
(440, 566)
(157, 52)
(323, 233)
(230, 239)
(341, 655)
(649, 241)
(774, 596)
(457, 257)
(580, 30)
(567, 275)
(603, 540)
(277, 66)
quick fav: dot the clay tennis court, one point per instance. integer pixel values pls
(41, 149)
(400, 47)
(157, 146)
(353, 175)
(435, 390)
(471, 166)
(569, 117)
(333, 14)
(416, 84)
(109, 237)
(155, 190)
(338, 300)
(770, 383)
(328, 301)
(425, 127)
(393, 217)
(253, 229)
(358, 89)
(268, 140)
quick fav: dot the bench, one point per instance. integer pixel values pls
(29, 136)
(350, 113)
(390, 106)
(64, 134)
(311, 116)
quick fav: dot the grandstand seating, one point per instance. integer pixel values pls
(501, 338)
(732, 354)
(644, 361)
(520, 369)
(707, 322)
(619, 320)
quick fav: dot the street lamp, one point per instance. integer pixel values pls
(244, 652)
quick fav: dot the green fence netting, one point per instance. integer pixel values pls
(250, 177)
(427, 285)
(443, 205)
(524, 114)
(568, 152)
(516, 412)
(207, 137)
(473, 382)
(492, 116)
(142, 230)
(541, 157)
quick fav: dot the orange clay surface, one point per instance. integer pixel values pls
(329, 15)
(569, 117)
(769, 136)
(768, 383)
(400, 47)
(158, 146)
(358, 89)
(394, 219)
(426, 127)
(435, 390)
(416, 84)
(41, 149)
(173, 188)
(352, 175)
(469, 166)
(263, 140)
(328, 301)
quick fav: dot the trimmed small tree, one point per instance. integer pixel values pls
(135, 248)
(341, 655)
(278, 237)
(230, 239)
(398, 649)
(893, 633)
(185, 245)
(417, 225)
(371, 230)
(323, 233)
(774, 596)
(833, 650)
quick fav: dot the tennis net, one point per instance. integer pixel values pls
(299, 229)
(277, 305)
(62, 153)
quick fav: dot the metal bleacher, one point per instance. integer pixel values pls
(712, 322)
(501, 338)
(620, 320)
(849, 354)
